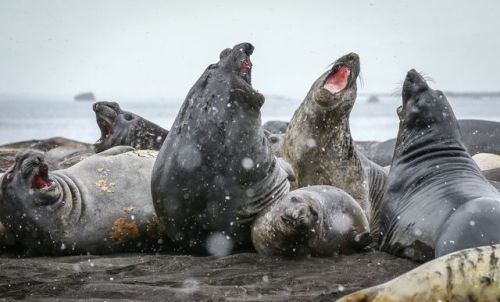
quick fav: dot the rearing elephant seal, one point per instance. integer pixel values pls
(319, 146)
(100, 205)
(467, 275)
(436, 200)
(317, 221)
(123, 128)
(215, 171)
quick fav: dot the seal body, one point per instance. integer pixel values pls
(100, 205)
(123, 128)
(467, 275)
(276, 127)
(215, 171)
(489, 164)
(316, 220)
(437, 201)
(478, 136)
(318, 142)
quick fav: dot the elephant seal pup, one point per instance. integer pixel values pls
(478, 136)
(101, 205)
(317, 220)
(275, 142)
(276, 127)
(466, 275)
(436, 200)
(215, 171)
(319, 146)
(122, 128)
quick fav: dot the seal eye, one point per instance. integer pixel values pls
(128, 116)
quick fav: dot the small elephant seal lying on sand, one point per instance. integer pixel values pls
(437, 201)
(216, 171)
(101, 205)
(123, 128)
(319, 146)
(316, 220)
(467, 275)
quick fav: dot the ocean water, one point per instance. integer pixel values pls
(38, 119)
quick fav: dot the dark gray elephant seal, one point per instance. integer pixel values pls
(478, 136)
(101, 205)
(215, 171)
(436, 200)
(316, 220)
(318, 142)
(123, 128)
(276, 127)
(59, 152)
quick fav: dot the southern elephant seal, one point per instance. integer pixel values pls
(101, 205)
(123, 128)
(436, 200)
(215, 171)
(319, 146)
(276, 127)
(467, 275)
(478, 136)
(316, 220)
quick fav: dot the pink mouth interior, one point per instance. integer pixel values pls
(39, 181)
(337, 81)
(244, 67)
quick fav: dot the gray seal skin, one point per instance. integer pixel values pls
(467, 275)
(317, 220)
(437, 201)
(276, 127)
(275, 142)
(101, 205)
(215, 171)
(123, 128)
(478, 136)
(319, 146)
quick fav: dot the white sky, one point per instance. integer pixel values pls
(121, 49)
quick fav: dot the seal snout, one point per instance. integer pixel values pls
(297, 213)
(343, 71)
(414, 84)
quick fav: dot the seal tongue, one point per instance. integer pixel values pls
(337, 81)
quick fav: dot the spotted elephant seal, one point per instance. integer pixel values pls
(319, 146)
(436, 200)
(316, 220)
(215, 171)
(466, 275)
(123, 128)
(100, 205)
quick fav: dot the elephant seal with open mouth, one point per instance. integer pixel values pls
(215, 171)
(436, 201)
(123, 128)
(319, 146)
(101, 205)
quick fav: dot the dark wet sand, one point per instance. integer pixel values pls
(240, 277)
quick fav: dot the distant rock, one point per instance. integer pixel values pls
(85, 96)
(373, 99)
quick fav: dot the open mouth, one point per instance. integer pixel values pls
(41, 180)
(106, 128)
(338, 79)
(246, 71)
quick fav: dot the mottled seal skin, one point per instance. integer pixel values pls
(317, 220)
(489, 165)
(123, 128)
(436, 200)
(101, 205)
(60, 152)
(466, 275)
(276, 127)
(318, 142)
(215, 171)
(478, 136)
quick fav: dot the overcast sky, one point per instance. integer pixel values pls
(159, 48)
